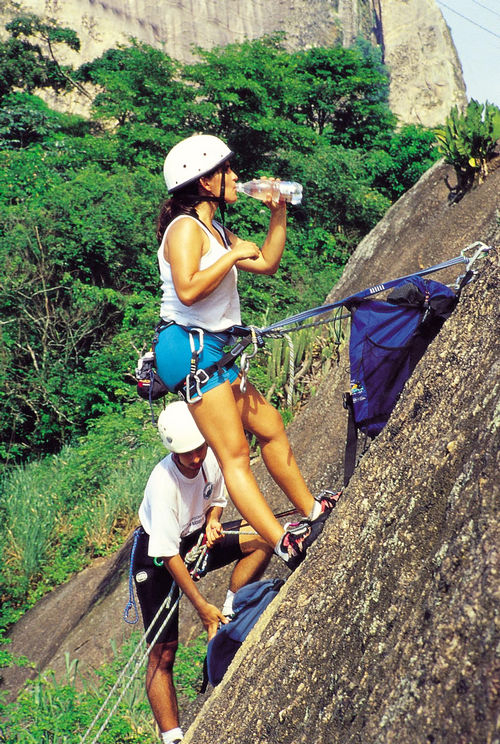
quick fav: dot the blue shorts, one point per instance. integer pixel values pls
(173, 356)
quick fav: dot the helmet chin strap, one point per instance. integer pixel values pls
(222, 195)
(221, 199)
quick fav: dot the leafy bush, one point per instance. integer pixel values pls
(395, 165)
(59, 513)
(467, 142)
(50, 711)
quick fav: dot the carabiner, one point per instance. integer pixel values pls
(245, 359)
(197, 379)
(193, 377)
(481, 249)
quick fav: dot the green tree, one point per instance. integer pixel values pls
(339, 190)
(240, 92)
(28, 57)
(26, 120)
(71, 254)
(138, 83)
(141, 92)
(408, 153)
(340, 93)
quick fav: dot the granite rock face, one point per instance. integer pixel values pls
(426, 77)
(389, 631)
(391, 622)
(425, 71)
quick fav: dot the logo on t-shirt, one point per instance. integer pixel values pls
(208, 490)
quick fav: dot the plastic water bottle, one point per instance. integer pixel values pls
(288, 191)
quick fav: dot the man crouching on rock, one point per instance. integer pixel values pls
(184, 498)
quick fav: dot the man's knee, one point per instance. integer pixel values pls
(162, 656)
(255, 544)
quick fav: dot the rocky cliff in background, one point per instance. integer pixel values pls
(426, 77)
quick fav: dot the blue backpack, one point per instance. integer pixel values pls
(388, 339)
(249, 603)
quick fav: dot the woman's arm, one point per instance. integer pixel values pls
(272, 249)
(183, 250)
(210, 616)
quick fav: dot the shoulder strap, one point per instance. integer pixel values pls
(222, 232)
(351, 444)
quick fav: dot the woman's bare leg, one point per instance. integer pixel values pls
(219, 420)
(263, 420)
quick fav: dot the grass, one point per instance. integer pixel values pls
(49, 711)
(61, 512)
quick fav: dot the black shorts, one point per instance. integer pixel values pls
(153, 581)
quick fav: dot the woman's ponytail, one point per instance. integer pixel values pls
(181, 202)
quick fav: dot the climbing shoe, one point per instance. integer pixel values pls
(327, 501)
(297, 538)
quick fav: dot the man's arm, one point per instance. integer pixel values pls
(213, 526)
(210, 616)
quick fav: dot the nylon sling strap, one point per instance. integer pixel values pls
(200, 376)
(351, 440)
(247, 337)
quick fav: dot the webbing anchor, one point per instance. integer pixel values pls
(480, 250)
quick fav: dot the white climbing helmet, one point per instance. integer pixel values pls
(192, 158)
(177, 428)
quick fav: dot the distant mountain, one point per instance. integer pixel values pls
(426, 76)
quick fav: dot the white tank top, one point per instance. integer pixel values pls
(217, 312)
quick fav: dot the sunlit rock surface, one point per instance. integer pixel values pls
(389, 630)
(426, 77)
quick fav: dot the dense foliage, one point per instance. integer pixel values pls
(79, 198)
(79, 291)
(468, 140)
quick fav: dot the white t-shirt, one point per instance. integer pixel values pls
(174, 506)
(217, 312)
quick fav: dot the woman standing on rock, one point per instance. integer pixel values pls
(198, 260)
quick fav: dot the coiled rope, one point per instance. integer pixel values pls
(131, 604)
